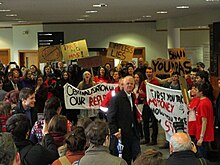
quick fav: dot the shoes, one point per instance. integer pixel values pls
(143, 141)
(152, 143)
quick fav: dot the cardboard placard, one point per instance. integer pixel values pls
(120, 51)
(164, 66)
(75, 50)
(49, 53)
(90, 62)
(177, 54)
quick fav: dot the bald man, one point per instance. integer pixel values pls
(182, 151)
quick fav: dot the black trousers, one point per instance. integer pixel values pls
(147, 114)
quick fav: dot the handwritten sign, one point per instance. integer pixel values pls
(75, 50)
(120, 51)
(168, 106)
(86, 99)
(49, 53)
(164, 66)
(177, 54)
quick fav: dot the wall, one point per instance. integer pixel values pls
(23, 41)
(99, 35)
(6, 39)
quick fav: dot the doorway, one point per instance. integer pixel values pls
(5, 56)
(28, 58)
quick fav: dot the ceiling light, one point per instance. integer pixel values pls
(11, 15)
(81, 19)
(86, 16)
(22, 21)
(4, 10)
(100, 5)
(146, 16)
(0, 3)
(182, 7)
(91, 11)
(212, 0)
(161, 12)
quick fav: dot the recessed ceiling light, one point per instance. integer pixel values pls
(212, 0)
(11, 15)
(182, 7)
(146, 16)
(138, 19)
(161, 12)
(22, 21)
(81, 19)
(91, 11)
(100, 5)
(85, 16)
(0, 3)
(4, 10)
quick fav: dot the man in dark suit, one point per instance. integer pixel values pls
(14, 84)
(122, 114)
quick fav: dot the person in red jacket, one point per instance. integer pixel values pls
(105, 103)
(204, 120)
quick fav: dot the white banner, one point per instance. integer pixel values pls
(86, 99)
(168, 106)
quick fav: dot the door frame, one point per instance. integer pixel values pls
(21, 52)
(9, 53)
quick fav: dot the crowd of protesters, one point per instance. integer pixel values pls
(32, 110)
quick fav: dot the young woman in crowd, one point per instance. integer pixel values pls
(138, 78)
(47, 70)
(75, 143)
(41, 93)
(52, 107)
(86, 83)
(116, 76)
(57, 128)
(26, 80)
(34, 72)
(102, 76)
(130, 70)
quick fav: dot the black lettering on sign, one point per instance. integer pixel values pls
(77, 100)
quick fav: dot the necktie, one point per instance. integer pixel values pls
(130, 99)
(15, 87)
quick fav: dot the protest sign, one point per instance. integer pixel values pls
(177, 54)
(164, 66)
(49, 53)
(86, 99)
(75, 50)
(168, 107)
(120, 51)
(91, 61)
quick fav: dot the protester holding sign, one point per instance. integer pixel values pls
(86, 83)
(147, 112)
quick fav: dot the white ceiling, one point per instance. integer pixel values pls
(47, 11)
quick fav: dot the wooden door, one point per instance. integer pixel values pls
(5, 56)
(28, 58)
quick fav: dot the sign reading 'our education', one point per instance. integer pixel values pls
(86, 99)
